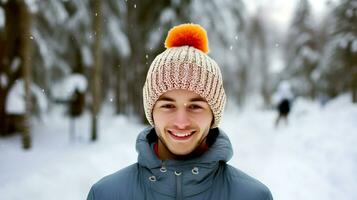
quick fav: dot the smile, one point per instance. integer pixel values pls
(181, 135)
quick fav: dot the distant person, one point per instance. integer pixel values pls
(76, 104)
(283, 99)
(76, 108)
(184, 154)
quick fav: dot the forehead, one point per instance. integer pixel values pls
(181, 95)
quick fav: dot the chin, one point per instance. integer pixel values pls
(181, 153)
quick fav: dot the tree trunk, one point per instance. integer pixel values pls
(3, 116)
(354, 80)
(25, 55)
(139, 23)
(352, 63)
(96, 76)
(121, 92)
(7, 52)
(264, 87)
(242, 88)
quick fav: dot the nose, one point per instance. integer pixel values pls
(181, 119)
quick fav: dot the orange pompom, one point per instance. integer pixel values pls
(188, 34)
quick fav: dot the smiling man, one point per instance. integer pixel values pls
(183, 155)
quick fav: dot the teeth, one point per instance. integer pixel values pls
(182, 134)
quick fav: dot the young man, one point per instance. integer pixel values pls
(183, 155)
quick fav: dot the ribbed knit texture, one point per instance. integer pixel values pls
(188, 68)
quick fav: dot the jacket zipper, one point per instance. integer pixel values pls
(178, 185)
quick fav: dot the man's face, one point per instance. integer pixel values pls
(182, 121)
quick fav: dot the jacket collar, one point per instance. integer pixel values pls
(198, 174)
(220, 150)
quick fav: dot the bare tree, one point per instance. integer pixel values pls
(25, 52)
(337, 67)
(301, 51)
(258, 52)
(97, 68)
(345, 34)
(141, 19)
(8, 53)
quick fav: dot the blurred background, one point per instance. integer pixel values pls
(72, 72)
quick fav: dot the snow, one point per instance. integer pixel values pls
(154, 39)
(3, 80)
(32, 5)
(2, 18)
(280, 11)
(310, 54)
(45, 52)
(277, 64)
(15, 64)
(64, 89)
(86, 55)
(167, 15)
(354, 45)
(15, 100)
(55, 12)
(349, 13)
(346, 38)
(313, 157)
(302, 38)
(80, 17)
(120, 40)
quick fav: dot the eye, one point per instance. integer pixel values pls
(167, 106)
(195, 107)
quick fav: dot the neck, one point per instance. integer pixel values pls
(165, 154)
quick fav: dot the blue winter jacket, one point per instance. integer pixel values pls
(207, 177)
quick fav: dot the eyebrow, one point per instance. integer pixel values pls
(195, 99)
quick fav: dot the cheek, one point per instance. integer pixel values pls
(155, 115)
(204, 121)
(159, 119)
(158, 124)
(208, 117)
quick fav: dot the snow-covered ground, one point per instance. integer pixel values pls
(313, 157)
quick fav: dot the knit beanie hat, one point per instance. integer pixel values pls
(185, 65)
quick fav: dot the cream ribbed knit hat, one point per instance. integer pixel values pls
(185, 65)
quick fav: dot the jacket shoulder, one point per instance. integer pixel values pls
(250, 187)
(114, 186)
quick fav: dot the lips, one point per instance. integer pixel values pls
(180, 135)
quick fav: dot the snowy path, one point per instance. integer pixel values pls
(314, 157)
